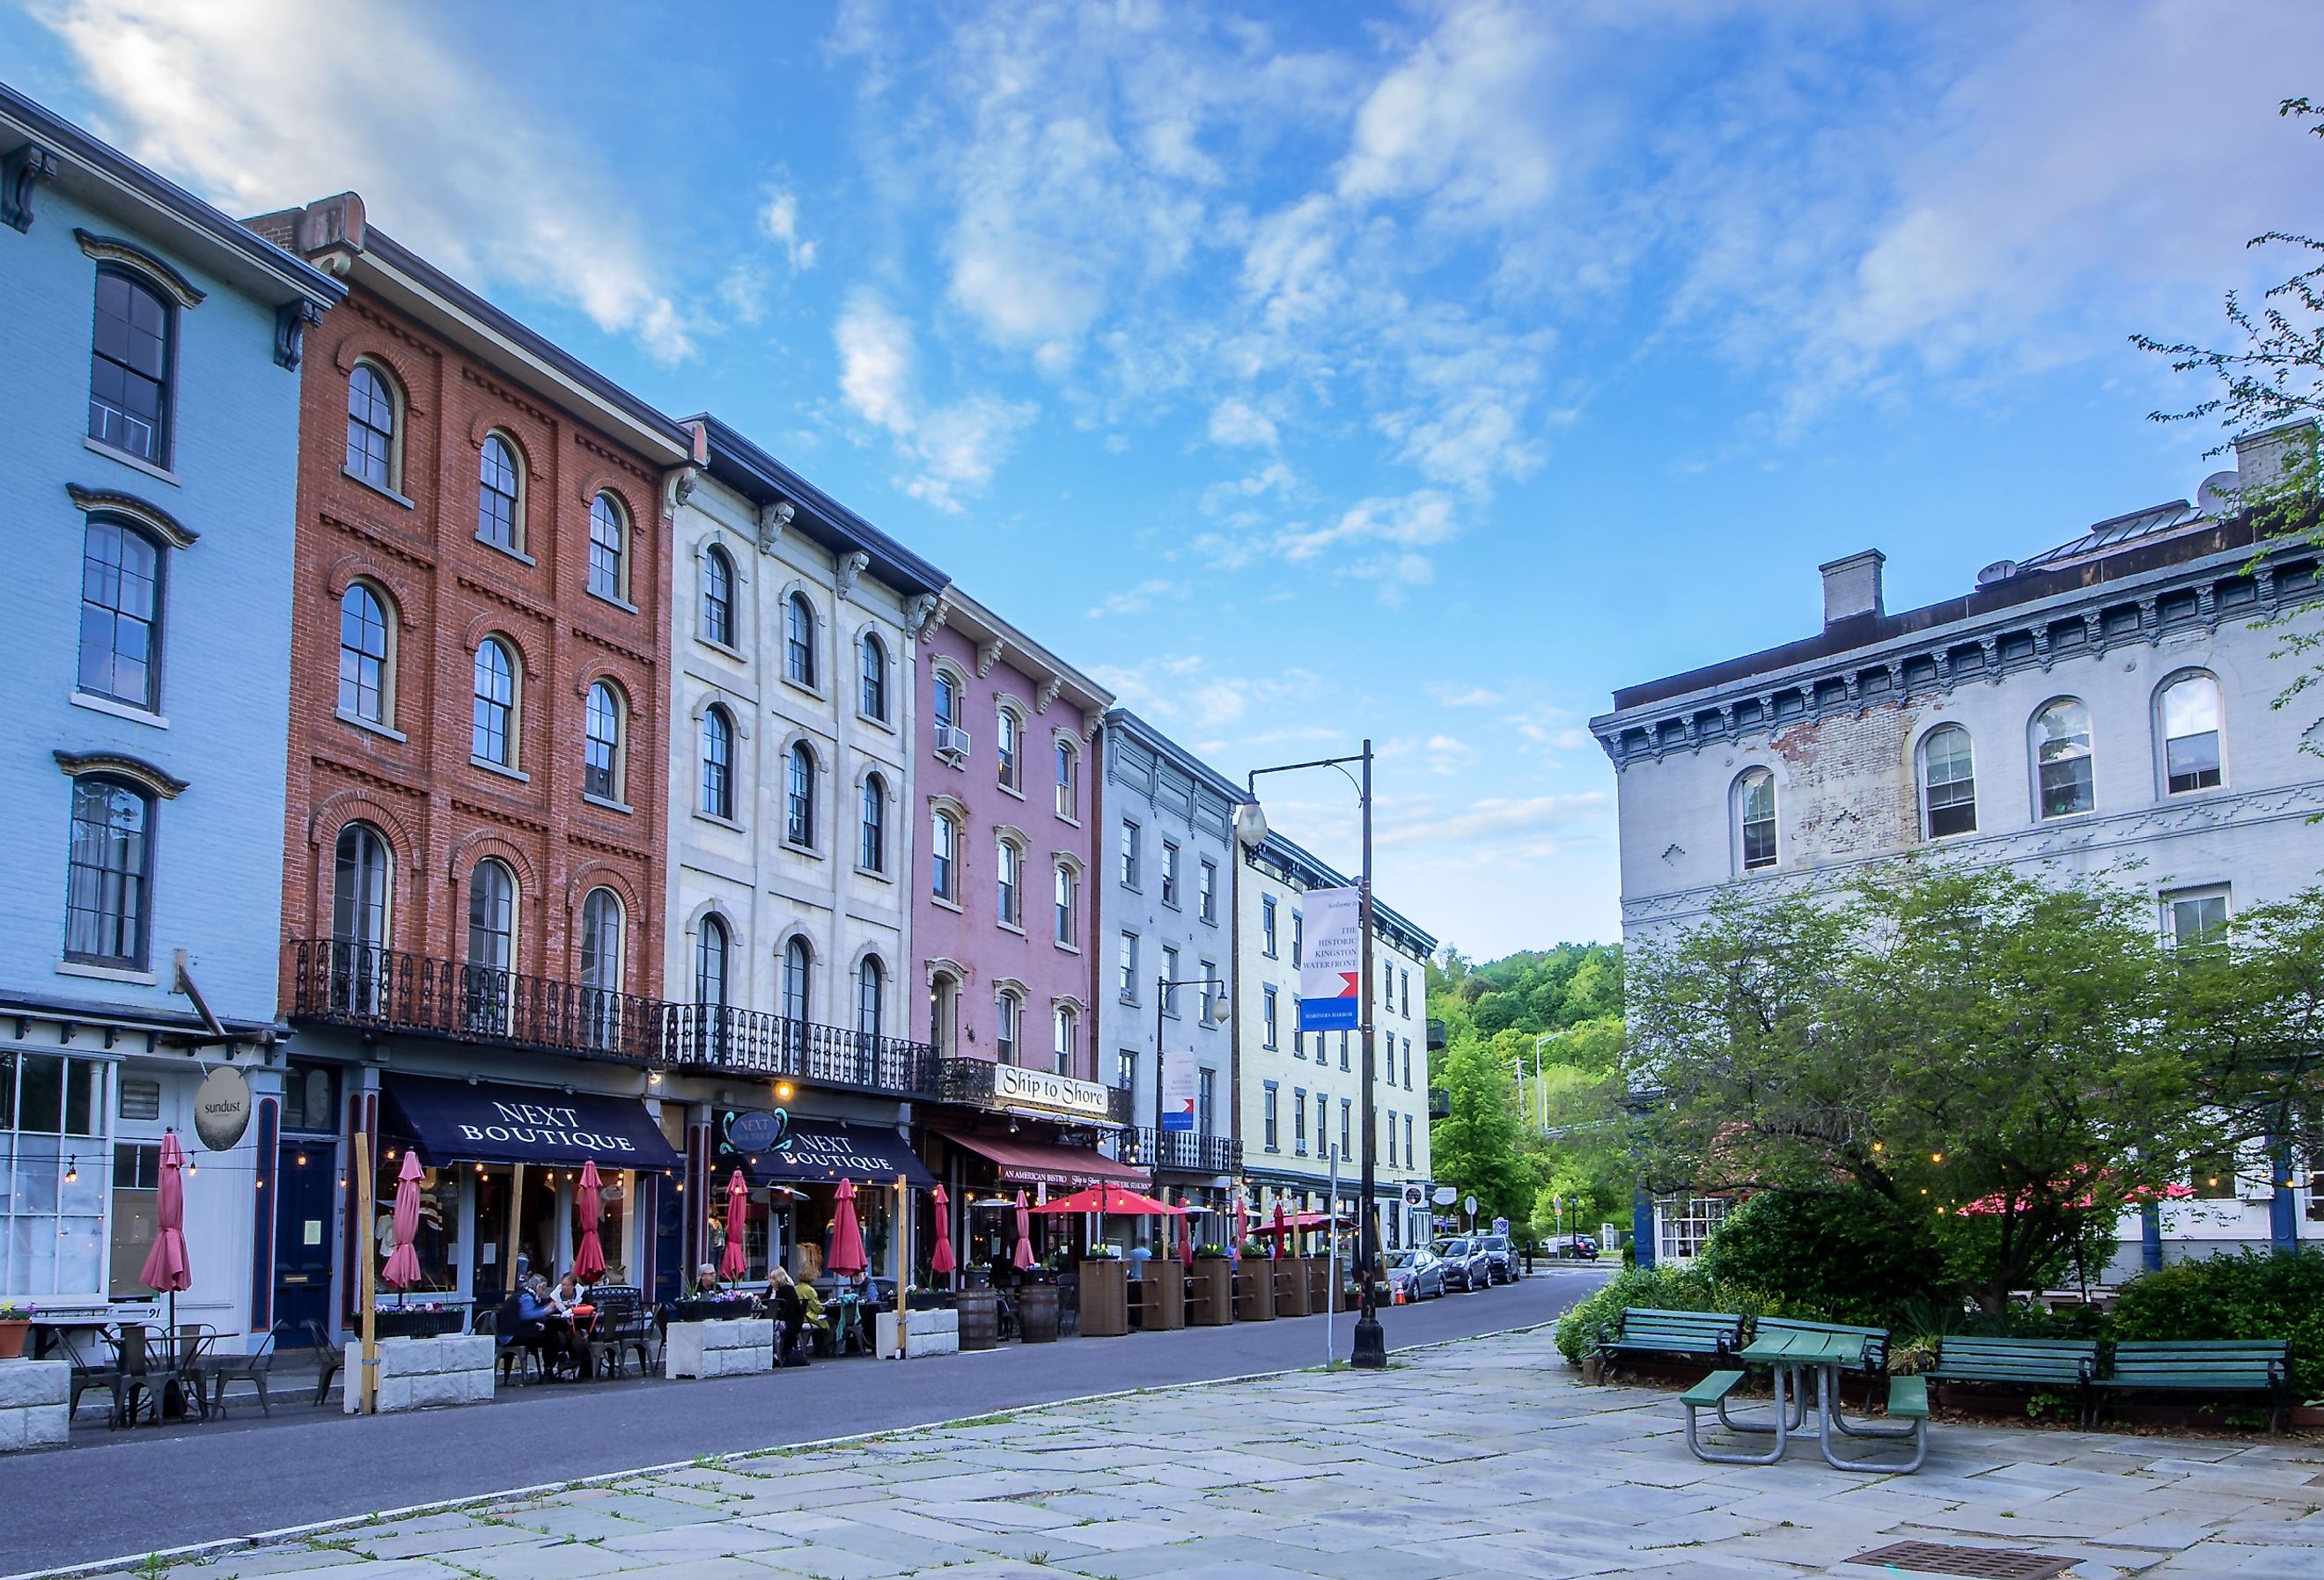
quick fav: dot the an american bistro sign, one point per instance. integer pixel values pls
(1058, 1094)
(545, 1125)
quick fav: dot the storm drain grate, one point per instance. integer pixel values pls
(1979, 1563)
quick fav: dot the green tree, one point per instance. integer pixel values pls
(1475, 1146)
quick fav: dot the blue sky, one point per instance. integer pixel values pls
(1309, 371)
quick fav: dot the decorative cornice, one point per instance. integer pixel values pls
(121, 765)
(144, 512)
(989, 654)
(292, 320)
(21, 171)
(683, 482)
(772, 519)
(1048, 692)
(113, 249)
(850, 566)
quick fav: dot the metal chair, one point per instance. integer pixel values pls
(87, 1374)
(328, 1358)
(252, 1368)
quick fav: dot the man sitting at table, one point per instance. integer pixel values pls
(705, 1281)
(523, 1322)
(537, 1305)
(568, 1303)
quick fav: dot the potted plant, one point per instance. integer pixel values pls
(1210, 1252)
(15, 1321)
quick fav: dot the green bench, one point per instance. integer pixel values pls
(1693, 1335)
(2202, 1365)
(2065, 1363)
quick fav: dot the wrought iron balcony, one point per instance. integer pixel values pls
(981, 1082)
(706, 1039)
(1178, 1151)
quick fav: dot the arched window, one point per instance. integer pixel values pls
(871, 833)
(872, 659)
(798, 797)
(362, 890)
(1012, 1027)
(373, 454)
(869, 981)
(601, 966)
(492, 731)
(717, 596)
(947, 701)
(718, 763)
(2062, 759)
(499, 519)
(796, 963)
(120, 613)
(1063, 1030)
(601, 765)
(1009, 731)
(106, 898)
(2189, 710)
(1008, 892)
(943, 1004)
(1948, 783)
(492, 946)
(799, 641)
(710, 963)
(943, 857)
(366, 656)
(129, 368)
(609, 548)
(1755, 819)
(1066, 885)
(1068, 770)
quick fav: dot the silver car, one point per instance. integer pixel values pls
(1466, 1263)
(1415, 1275)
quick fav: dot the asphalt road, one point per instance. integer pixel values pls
(113, 1493)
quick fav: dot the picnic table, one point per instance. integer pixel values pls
(1791, 1354)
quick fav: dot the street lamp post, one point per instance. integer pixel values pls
(1218, 1012)
(1371, 1350)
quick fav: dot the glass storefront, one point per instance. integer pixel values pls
(54, 1167)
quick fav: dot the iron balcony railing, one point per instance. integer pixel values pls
(969, 1082)
(752, 1042)
(1178, 1151)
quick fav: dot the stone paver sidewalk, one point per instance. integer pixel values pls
(1483, 1458)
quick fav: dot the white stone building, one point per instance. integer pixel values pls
(2106, 707)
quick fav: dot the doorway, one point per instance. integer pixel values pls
(308, 1173)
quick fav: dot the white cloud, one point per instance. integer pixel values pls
(1182, 689)
(875, 362)
(1235, 422)
(1494, 817)
(952, 449)
(779, 220)
(1453, 695)
(1136, 600)
(264, 104)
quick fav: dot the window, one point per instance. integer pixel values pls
(1206, 1094)
(120, 612)
(1068, 885)
(498, 522)
(798, 797)
(108, 887)
(372, 454)
(717, 596)
(870, 979)
(1407, 1064)
(944, 858)
(1407, 1142)
(1008, 893)
(1125, 1070)
(872, 657)
(361, 886)
(1299, 1119)
(601, 765)
(1128, 966)
(1010, 1012)
(1068, 768)
(1755, 818)
(947, 700)
(1063, 1031)
(1298, 937)
(1009, 731)
(129, 368)
(1207, 897)
(2061, 758)
(492, 929)
(609, 548)
(718, 763)
(799, 641)
(601, 967)
(943, 1005)
(1267, 926)
(1685, 1223)
(366, 673)
(1298, 1038)
(1273, 1142)
(1210, 977)
(2189, 710)
(1404, 990)
(710, 963)
(795, 966)
(871, 832)
(1128, 853)
(1948, 783)
(1170, 872)
(51, 1122)
(2196, 917)
(1347, 1125)
(1170, 977)
(137, 1177)
(492, 721)
(1267, 1016)
(1343, 1049)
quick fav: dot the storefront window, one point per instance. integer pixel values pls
(1686, 1223)
(136, 1176)
(53, 1175)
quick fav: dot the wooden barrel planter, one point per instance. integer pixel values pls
(1211, 1292)
(980, 1318)
(1254, 1286)
(1290, 1287)
(1037, 1313)
(1162, 1295)
(1319, 1283)
(1105, 1299)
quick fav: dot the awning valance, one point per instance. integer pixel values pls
(809, 1151)
(1039, 1163)
(453, 1122)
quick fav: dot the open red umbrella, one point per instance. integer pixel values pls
(738, 1192)
(1024, 1257)
(1105, 1199)
(1277, 1249)
(942, 1262)
(589, 1257)
(402, 1269)
(167, 1270)
(846, 1257)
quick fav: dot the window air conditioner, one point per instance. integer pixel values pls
(951, 741)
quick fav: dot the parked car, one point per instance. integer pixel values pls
(1466, 1265)
(1416, 1274)
(1500, 1261)
(1577, 1248)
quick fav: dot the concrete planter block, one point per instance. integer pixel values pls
(738, 1348)
(33, 1396)
(421, 1373)
(931, 1333)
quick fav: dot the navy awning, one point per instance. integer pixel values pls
(810, 1152)
(452, 1121)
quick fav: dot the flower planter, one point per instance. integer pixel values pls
(1254, 1290)
(1211, 1292)
(1290, 1287)
(1319, 1283)
(691, 1310)
(1162, 1295)
(980, 1318)
(395, 1322)
(11, 1337)
(1105, 1299)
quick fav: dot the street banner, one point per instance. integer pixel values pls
(1330, 973)
(1179, 1078)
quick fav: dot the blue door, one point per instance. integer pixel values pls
(303, 1266)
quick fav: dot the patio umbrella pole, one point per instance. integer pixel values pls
(903, 1241)
(516, 1201)
(367, 1373)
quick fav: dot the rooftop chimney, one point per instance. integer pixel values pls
(2261, 457)
(1851, 586)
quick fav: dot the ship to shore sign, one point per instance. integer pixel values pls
(1332, 971)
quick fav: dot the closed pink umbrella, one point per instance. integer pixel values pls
(1024, 1257)
(402, 1269)
(1234, 1245)
(589, 1258)
(846, 1257)
(1277, 1249)
(941, 1263)
(167, 1270)
(735, 1264)
(1186, 1239)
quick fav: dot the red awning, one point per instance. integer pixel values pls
(1039, 1163)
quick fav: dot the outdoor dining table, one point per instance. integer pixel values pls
(1792, 1355)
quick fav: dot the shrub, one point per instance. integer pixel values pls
(1669, 1289)
(2254, 1294)
(1851, 1256)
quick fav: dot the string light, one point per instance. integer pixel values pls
(193, 1166)
(72, 1171)
(1936, 1156)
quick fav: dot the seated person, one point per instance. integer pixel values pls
(706, 1279)
(523, 1322)
(814, 1322)
(566, 1301)
(790, 1314)
(536, 1308)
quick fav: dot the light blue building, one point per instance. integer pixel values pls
(148, 473)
